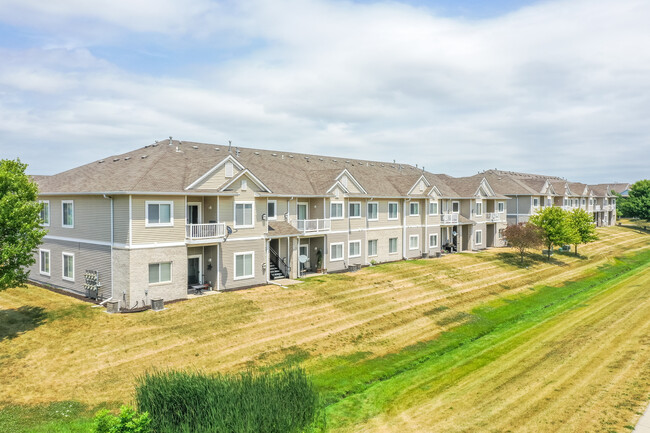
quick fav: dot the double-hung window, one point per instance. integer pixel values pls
(479, 237)
(433, 241)
(244, 265)
(414, 209)
(354, 249)
(501, 206)
(160, 272)
(271, 210)
(45, 212)
(68, 266)
(355, 210)
(535, 202)
(479, 209)
(67, 213)
(433, 208)
(45, 262)
(455, 206)
(159, 214)
(393, 210)
(392, 245)
(373, 213)
(414, 242)
(243, 214)
(336, 210)
(336, 251)
(372, 247)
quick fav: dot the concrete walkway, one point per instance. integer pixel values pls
(643, 426)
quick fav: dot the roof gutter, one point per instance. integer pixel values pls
(111, 193)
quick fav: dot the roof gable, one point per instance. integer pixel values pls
(350, 183)
(420, 186)
(216, 176)
(249, 175)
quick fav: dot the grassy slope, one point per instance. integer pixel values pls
(69, 351)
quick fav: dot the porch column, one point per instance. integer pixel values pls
(268, 262)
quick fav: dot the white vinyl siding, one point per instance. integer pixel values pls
(392, 246)
(45, 212)
(336, 251)
(414, 209)
(159, 213)
(433, 241)
(414, 242)
(354, 249)
(373, 212)
(44, 262)
(160, 273)
(244, 215)
(272, 209)
(68, 266)
(244, 265)
(67, 213)
(336, 210)
(355, 210)
(393, 210)
(372, 247)
(433, 208)
(479, 237)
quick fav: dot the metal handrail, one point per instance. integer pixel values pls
(279, 261)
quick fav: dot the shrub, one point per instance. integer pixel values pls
(128, 421)
(184, 401)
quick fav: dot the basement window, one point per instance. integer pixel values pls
(160, 273)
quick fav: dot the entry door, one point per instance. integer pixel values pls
(302, 211)
(193, 214)
(194, 270)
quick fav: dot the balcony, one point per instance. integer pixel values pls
(598, 208)
(493, 217)
(205, 233)
(449, 218)
(312, 226)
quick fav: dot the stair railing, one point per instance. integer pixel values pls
(279, 262)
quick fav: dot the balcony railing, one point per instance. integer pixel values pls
(449, 218)
(205, 232)
(598, 207)
(493, 216)
(312, 226)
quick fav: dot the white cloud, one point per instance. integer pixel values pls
(559, 87)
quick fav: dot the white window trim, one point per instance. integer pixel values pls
(388, 210)
(476, 206)
(350, 213)
(342, 210)
(40, 262)
(368, 210)
(234, 215)
(452, 206)
(234, 261)
(411, 208)
(349, 245)
(476, 235)
(435, 244)
(417, 247)
(47, 202)
(71, 226)
(502, 205)
(274, 217)
(437, 206)
(63, 277)
(158, 202)
(171, 273)
(396, 246)
(376, 241)
(332, 259)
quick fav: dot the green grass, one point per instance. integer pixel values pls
(59, 417)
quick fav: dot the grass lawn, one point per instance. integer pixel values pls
(469, 342)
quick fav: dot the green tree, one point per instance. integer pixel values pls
(554, 227)
(582, 228)
(20, 230)
(522, 237)
(637, 204)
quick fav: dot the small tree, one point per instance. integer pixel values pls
(554, 227)
(582, 228)
(523, 236)
(20, 231)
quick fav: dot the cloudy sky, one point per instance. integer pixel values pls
(559, 87)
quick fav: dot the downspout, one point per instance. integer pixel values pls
(112, 242)
(426, 227)
(404, 228)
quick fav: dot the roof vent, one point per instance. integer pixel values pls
(256, 153)
(237, 152)
(320, 159)
(147, 145)
(229, 146)
(307, 158)
(116, 159)
(290, 156)
(274, 154)
(143, 156)
(170, 140)
(334, 160)
(127, 158)
(155, 144)
(347, 162)
(216, 148)
(99, 162)
(195, 147)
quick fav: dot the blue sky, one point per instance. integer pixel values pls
(559, 87)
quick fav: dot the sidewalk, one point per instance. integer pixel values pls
(643, 426)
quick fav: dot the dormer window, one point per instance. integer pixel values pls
(229, 169)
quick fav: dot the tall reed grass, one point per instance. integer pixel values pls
(187, 401)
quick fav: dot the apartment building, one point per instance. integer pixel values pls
(157, 221)
(527, 193)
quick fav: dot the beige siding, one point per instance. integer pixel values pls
(121, 219)
(152, 235)
(217, 179)
(227, 251)
(92, 218)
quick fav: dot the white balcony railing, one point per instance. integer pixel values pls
(598, 207)
(312, 226)
(493, 216)
(202, 232)
(449, 218)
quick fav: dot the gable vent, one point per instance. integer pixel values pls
(229, 169)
